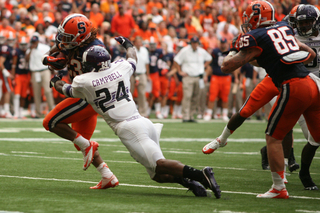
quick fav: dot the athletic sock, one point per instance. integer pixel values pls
(278, 180)
(192, 173)
(225, 134)
(81, 142)
(104, 170)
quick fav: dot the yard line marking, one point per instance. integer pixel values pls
(142, 186)
(18, 129)
(239, 140)
(33, 153)
(60, 158)
(132, 162)
(302, 210)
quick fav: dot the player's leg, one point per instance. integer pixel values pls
(297, 96)
(187, 85)
(224, 96)
(140, 138)
(164, 87)
(71, 111)
(7, 97)
(308, 152)
(260, 96)
(16, 97)
(213, 94)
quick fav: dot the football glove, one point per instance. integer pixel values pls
(55, 63)
(54, 80)
(126, 43)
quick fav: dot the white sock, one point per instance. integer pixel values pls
(16, 105)
(33, 109)
(6, 107)
(225, 112)
(157, 107)
(225, 134)
(179, 110)
(104, 170)
(278, 182)
(81, 142)
(1, 110)
(166, 111)
(21, 112)
(218, 111)
(209, 111)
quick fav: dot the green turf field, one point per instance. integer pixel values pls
(42, 173)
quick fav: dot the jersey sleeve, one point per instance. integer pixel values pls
(248, 41)
(77, 86)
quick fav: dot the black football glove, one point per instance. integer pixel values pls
(54, 80)
(126, 43)
(55, 63)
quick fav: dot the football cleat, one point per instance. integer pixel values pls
(294, 167)
(307, 182)
(210, 182)
(273, 193)
(197, 189)
(213, 145)
(106, 183)
(88, 154)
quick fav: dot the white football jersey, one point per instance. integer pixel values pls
(108, 91)
(314, 43)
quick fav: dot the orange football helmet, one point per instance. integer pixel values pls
(23, 43)
(258, 13)
(73, 31)
(11, 39)
(292, 16)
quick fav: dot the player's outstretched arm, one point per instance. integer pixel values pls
(59, 85)
(233, 61)
(126, 43)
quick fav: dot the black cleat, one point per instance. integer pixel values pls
(307, 182)
(197, 189)
(264, 158)
(294, 167)
(210, 182)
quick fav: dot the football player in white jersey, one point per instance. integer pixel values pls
(307, 24)
(106, 86)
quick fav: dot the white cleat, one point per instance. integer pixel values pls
(106, 183)
(273, 193)
(213, 145)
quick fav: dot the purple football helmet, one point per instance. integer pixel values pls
(307, 20)
(96, 58)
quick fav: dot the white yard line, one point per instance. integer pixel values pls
(232, 140)
(141, 186)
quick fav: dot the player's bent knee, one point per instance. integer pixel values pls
(45, 124)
